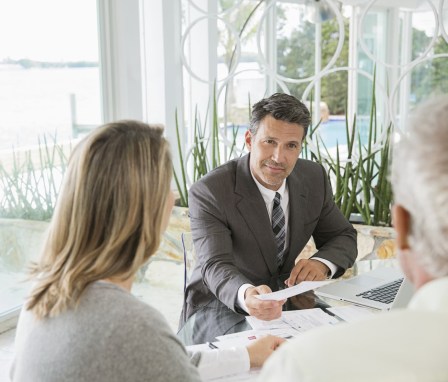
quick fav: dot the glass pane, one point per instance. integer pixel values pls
(49, 95)
(307, 40)
(430, 76)
(240, 33)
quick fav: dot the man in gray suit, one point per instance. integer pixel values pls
(251, 217)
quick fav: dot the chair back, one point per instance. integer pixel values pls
(189, 256)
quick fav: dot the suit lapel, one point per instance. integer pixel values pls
(297, 202)
(253, 210)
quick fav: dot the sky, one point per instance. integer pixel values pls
(49, 30)
(66, 30)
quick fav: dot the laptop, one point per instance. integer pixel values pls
(382, 288)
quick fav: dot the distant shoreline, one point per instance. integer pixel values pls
(25, 63)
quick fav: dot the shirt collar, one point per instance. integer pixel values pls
(267, 194)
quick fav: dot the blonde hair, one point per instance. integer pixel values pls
(420, 182)
(108, 218)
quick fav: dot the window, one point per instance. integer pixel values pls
(49, 96)
(162, 57)
(327, 52)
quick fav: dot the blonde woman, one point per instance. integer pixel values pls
(81, 323)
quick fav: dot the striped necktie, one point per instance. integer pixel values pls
(278, 226)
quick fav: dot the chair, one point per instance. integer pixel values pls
(189, 256)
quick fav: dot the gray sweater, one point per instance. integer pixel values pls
(111, 336)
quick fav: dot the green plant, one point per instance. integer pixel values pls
(206, 152)
(360, 182)
(30, 184)
(382, 191)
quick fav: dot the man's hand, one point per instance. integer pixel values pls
(261, 349)
(307, 270)
(263, 310)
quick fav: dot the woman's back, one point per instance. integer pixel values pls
(110, 336)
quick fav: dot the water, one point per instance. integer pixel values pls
(333, 132)
(36, 102)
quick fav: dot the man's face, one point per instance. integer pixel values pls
(274, 150)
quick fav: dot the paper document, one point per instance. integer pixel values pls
(198, 348)
(300, 320)
(247, 337)
(290, 325)
(283, 294)
(246, 376)
(307, 319)
(255, 334)
(258, 324)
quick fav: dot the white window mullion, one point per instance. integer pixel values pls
(317, 70)
(406, 58)
(270, 38)
(120, 59)
(352, 88)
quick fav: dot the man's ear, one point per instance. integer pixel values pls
(248, 140)
(401, 222)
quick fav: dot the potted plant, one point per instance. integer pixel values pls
(205, 154)
(30, 183)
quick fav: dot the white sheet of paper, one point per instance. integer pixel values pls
(306, 319)
(351, 313)
(244, 338)
(247, 376)
(198, 348)
(283, 294)
(300, 320)
(267, 325)
(245, 333)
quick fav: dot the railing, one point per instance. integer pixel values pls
(77, 128)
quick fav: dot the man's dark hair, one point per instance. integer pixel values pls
(283, 107)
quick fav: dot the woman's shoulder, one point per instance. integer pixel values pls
(150, 343)
(118, 305)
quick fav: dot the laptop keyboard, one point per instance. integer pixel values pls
(385, 294)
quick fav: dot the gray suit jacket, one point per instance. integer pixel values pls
(233, 237)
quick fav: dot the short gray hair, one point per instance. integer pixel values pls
(420, 182)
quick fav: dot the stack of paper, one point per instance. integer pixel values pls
(299, 320)
(291, 324)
